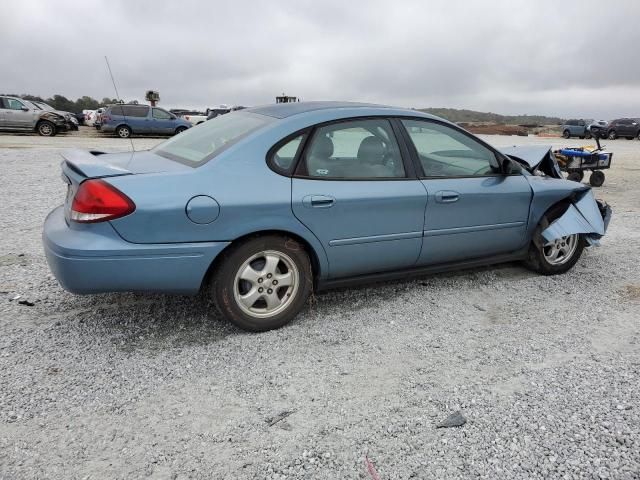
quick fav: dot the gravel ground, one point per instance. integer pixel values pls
(546, 370)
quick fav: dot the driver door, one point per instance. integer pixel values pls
(16, 117)
(473, 210)
(163, 123)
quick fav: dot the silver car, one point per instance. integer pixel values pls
(17, 114)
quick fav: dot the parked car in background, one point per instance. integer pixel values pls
(97, 123)
(72, 121)
(194, 118)
(214, 112)
(575, 128)
(17, 114)
(599, 127)
(127, 120)
(624, 127)
(260, 208)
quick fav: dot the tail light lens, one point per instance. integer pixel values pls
(97, 201)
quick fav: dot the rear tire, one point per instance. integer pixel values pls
(46, 128)
(596, 179)
(123, 131)
(263, 283)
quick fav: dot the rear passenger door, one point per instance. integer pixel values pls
(354, 190)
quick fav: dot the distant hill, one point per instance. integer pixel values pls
(470, 116)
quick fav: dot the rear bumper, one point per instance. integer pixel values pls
(95, 259)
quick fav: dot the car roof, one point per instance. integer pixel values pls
(284, 110)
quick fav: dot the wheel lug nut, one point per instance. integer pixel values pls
(260, 280)
(261, 290)
(269, 291)
(269, 275)
(275, 282)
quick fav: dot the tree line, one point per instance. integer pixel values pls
(60, 102)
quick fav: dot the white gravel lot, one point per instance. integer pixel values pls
(545, 369)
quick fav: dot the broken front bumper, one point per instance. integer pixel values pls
(585, 215)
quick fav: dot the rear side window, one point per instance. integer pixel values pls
(196, 146)
(358, 149)
(130, 110)
(283, 157)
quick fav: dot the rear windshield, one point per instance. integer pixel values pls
(200, 144)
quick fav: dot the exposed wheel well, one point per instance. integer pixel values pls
(315, 263)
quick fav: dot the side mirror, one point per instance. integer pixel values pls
(25, 109)
(507, 166)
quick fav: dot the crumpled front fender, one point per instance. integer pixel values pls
(585, 215)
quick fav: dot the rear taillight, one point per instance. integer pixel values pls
(97, 201)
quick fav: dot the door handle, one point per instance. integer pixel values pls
(447, 196)
(318, 201)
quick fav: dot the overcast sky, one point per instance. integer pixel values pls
(569, 58)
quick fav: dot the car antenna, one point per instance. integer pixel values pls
(118, 98)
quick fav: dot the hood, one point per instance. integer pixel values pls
(535, 157)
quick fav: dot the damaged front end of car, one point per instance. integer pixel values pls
(560, 207)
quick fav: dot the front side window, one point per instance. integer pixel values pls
(358, 149)
(161, 114)
(13, 104)
(196, 146)
(446, 152)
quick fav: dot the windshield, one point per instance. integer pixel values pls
(36, 106)
(200, 144)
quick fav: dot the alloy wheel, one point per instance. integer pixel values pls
(266, 283)
(560, 250)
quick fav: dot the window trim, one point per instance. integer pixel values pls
(499, 157)
(409, 172)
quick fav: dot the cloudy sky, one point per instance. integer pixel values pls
(569, 58)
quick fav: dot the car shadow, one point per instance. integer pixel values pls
(151, 322)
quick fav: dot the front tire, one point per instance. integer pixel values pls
(566, 134)
(555, 257)
(263, 283)
(179, 130)
(552, 258)
(612, 135)
(46, 128)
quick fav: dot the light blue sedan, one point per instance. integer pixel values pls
(263, 206)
